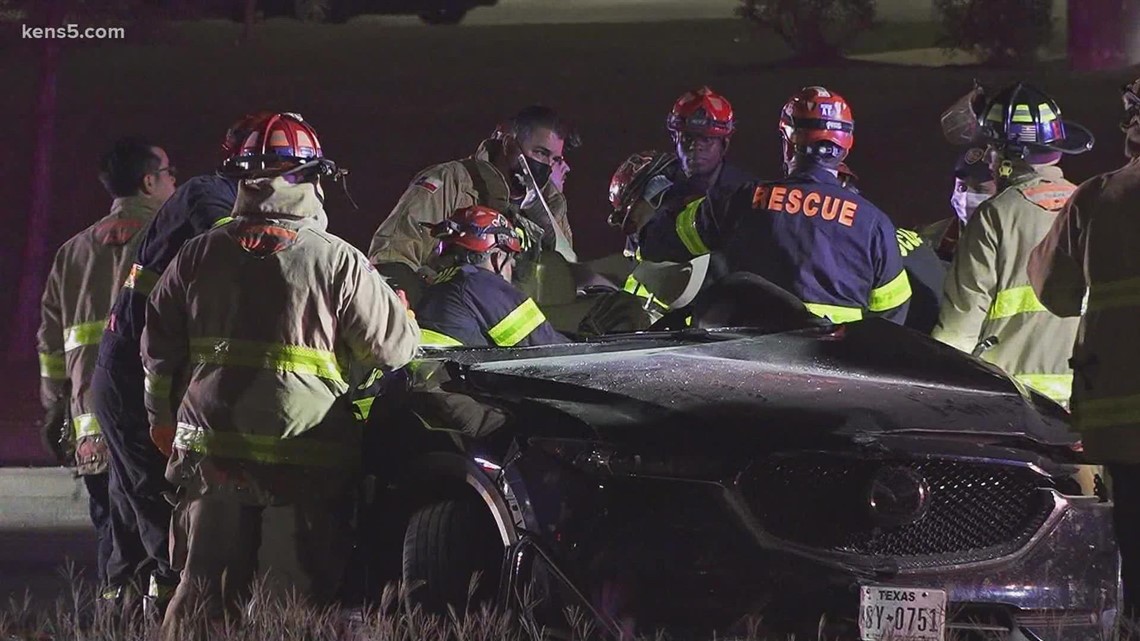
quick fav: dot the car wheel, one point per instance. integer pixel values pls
(445, 544)
(443, 15)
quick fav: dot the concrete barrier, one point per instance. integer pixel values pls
(42, 498)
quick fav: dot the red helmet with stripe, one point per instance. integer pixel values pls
(242, 128)
(818, 122)
(276, 143)
(478, 229)
(702, 112)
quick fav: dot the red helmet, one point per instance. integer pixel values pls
(632, 180)
(815, 115)
(278, 142)
(242, 128)
(478, 229)
(703, 112)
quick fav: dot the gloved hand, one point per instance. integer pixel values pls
(52, 431)
(163, 438)
(615, 312)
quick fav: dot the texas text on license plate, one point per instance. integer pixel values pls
(901, 614)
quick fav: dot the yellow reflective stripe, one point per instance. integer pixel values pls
(1056, 386)
(157, 385)
(372, 378)
(687, 228)
(270, 356)
(1014, 301)
(85, 425)
(436, 339)
(141, 280)
(363, 407)
(53, 366)
(83, 334)
(222, 221)
(891, 295)
(1021, 113)
(517, 325)
(1114, 294)
(835, 313)
(260, 448)
(1107, 412)
(1047, 114)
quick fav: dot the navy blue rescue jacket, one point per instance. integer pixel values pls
(828, 246)
(474, 307)
(198, 204)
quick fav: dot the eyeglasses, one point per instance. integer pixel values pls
(170, 169)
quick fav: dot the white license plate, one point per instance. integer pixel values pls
(901, 614)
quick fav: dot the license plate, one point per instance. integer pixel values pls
(901, 614)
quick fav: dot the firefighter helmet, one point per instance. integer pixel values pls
(478, 229)
(241, 129)
(817, 122)
(635, 179)
(278, 144)
(1024, 120)
(702, 112)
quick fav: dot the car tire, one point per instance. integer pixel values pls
(443, 15)
(445, 544)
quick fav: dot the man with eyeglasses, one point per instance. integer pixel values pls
(85, 277)
(139, 569)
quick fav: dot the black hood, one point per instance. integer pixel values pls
(863, 379)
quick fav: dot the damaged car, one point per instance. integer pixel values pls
(755, 473)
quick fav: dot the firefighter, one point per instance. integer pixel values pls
(1089, 254)
(85, 276)
(137, 483)
(509, 172)
(989, 307)
(701, 125)
(830, 247)
(473, 302)
(973, 184)
(923, 269)
(250, 332)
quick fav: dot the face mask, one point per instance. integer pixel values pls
(539, 171)
(966, 202)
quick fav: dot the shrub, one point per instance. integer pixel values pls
(1002, 32)
(816, 30)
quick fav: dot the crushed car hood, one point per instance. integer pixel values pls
(865, 378)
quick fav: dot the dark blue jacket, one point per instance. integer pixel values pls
(828, 246)
(471, 306)
(197, 205)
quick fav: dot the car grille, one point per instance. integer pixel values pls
(974, 511)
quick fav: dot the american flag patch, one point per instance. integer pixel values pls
(429, 183)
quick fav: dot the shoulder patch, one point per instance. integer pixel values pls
(429, 183)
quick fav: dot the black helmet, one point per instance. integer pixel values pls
(1025, 120)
